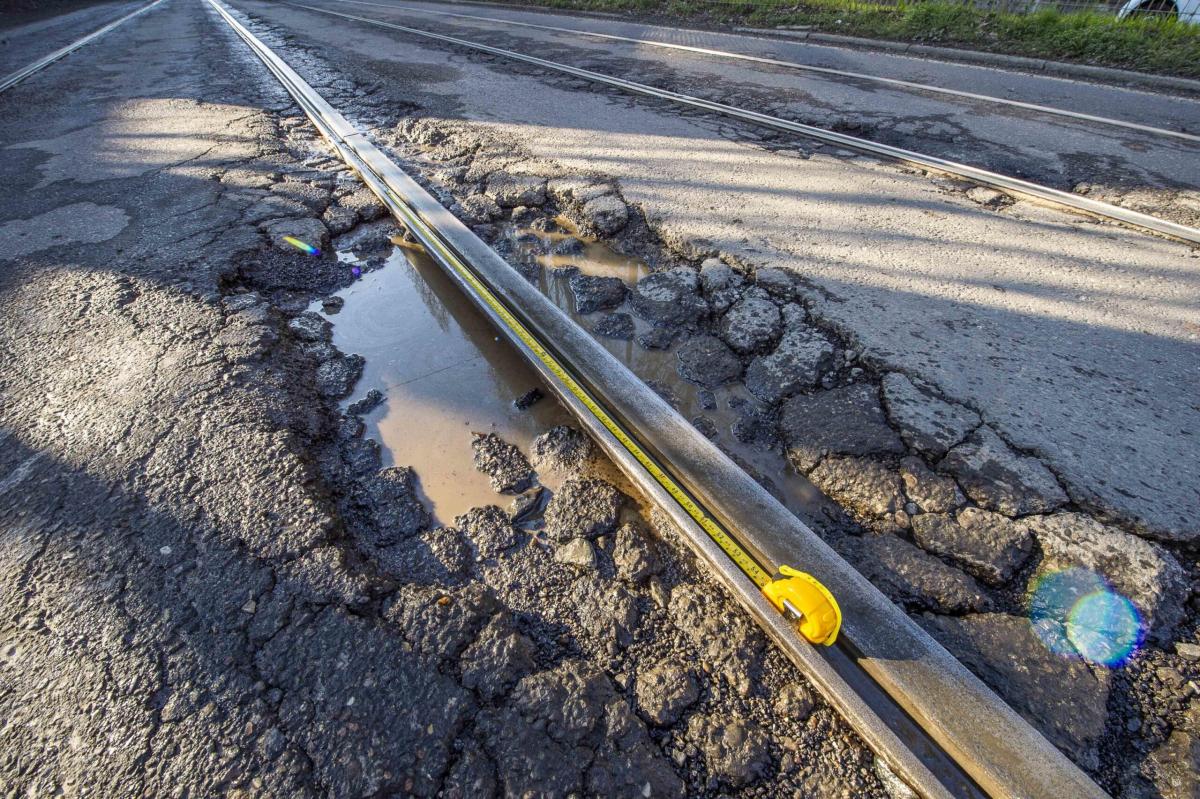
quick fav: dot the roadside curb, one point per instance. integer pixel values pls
(1049, 67)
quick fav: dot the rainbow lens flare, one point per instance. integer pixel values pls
(1076, 613)
(299, 245)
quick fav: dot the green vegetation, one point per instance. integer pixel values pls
(1148, 44)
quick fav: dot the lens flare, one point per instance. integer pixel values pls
(299, 245)
(1105, 628)
(1076, 613)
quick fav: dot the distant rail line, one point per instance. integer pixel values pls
(12, 79)
(1010, 185)
(776, 62)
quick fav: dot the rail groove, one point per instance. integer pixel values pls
(777, 62)
(12, 79)
(1010, 185)
(935, 724)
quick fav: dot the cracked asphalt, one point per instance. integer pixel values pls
(211, 584)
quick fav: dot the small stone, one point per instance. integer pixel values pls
(670, 298)
(841, 421)
(616, 326)
(706, 360)
(583, 508)
(736, 751)
(926, 423)
(510, 190)
(560, 449)
(490, 529)
(605, 214)
(779, 283)
(578, 553)
(503, 463)
(479, 209)
(930, 492)
(369, 402)
(751, 325)
(528, 505)
(568, 246)
(658, 338)
(1145, 573)
(310, 326)
(706, 399)
(634, 555)
(988, 545)
(987, 197)
(794, 702)
(1001, 479)
(665, 692)
(528, 399)
(1187, 651)
(338, 220)
(797, 363)
(717, 276)
(593, 293)
(332, 305)
(337, 376)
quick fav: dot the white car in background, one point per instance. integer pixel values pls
(1183, 10)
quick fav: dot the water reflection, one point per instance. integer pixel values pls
(444, 373)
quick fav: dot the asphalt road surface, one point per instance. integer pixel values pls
(213, 582)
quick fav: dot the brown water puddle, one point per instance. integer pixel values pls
(444, 373)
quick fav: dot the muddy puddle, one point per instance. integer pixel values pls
(445, 374)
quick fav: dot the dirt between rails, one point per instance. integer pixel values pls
(947, 518)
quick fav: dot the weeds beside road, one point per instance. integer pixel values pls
(1163, 46)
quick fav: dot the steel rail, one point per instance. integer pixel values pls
(1010, 185)
(906, 84)
(12, 79)
(912, 703)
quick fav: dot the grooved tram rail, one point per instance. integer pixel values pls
(778, 62)
(930, 719)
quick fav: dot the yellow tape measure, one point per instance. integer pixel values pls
(797, 595)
